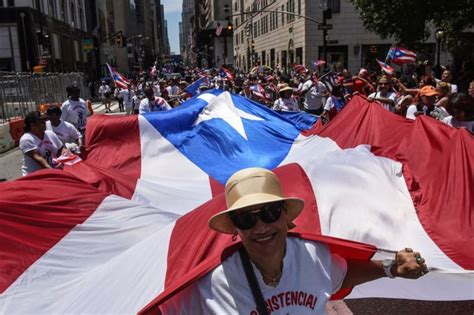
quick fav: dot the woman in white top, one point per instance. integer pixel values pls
(286, 102)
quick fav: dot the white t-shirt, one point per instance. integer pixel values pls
(411, 110)
(314, 99)
(65, 131)
(390, 95)
(310, 275)
(47, 147)
(172, 90)
(127, 97)
(286, 105)
(453, 122)
(104, 89)
(75, 112)
(159, 104)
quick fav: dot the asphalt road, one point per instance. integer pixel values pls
(10, 169)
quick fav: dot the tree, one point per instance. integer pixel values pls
(409, 21)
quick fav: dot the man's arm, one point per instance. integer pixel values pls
(408, 264)
(34, 154)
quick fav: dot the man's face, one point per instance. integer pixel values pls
(264, 240)
(75, 93)
(39, 126)
(383, 87)
(54, 118)
(471, 89)
(446, 76)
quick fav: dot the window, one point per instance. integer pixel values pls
(283, 15)
(72, 7)
(334, 5)
(63, 10)
(276, 19)
(10, 3)
(299, 7)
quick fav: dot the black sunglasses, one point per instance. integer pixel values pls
(247, 219)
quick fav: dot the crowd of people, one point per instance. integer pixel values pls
(320, 92)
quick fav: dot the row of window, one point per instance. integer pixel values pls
(270, 21)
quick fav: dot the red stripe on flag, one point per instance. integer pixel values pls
(61, 202)
(112, 160)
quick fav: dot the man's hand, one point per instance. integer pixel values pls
(409, 264)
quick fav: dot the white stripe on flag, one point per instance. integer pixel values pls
(115, 262)
(168, 180)
(355, 196)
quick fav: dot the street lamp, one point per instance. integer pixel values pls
(439, 35)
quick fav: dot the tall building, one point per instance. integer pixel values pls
(48, 35)
(263, 34)
(187, 19)
(213, 31)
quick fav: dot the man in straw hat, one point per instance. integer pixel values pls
(286, 102)
(273, 273)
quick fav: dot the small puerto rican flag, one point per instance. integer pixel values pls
(385, 67)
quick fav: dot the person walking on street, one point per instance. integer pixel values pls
(38, 145)
(104, 93)
(74, 110)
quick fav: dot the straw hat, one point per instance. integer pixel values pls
(250, 189)
(284, 87)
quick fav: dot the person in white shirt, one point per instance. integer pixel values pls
(424, 102)
(65, 131)
(74, 110)
(152, 103)
(292, 275)
(384, 96)
(447, 76)
(127, 95)
(314, 94)
(286, 102)
(38, 145)
(104, 93)
(172, 89)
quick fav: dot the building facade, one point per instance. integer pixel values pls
(264, 32)
(48, 36)
(212, 44)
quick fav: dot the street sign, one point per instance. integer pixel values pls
(87, 44)
(324, 27)
(332, 42)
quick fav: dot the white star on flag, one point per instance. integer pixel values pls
(223, 107)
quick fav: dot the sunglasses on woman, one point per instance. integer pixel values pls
(246, 220)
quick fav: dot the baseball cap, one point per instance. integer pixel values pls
(428, 90)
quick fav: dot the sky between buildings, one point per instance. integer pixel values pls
(173, 16)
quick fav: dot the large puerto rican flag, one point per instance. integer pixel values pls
(126, 228)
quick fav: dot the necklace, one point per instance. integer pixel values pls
(274, 281)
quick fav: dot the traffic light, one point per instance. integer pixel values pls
(46, 40)
(253, 44)
(230, 27)
(119, 40)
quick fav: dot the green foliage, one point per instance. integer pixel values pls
(408, 21)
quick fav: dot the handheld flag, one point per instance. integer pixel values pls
(226, 74)
(318, 63)
(258, 91)
(299, 68)
(119, 79)
(400, 56)
(385, 67)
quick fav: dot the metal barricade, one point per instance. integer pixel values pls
(21, 93)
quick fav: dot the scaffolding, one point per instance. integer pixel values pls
(21, 93)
